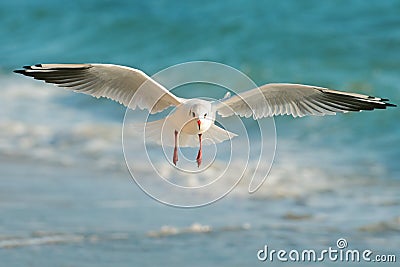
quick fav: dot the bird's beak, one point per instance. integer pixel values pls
(199, 123)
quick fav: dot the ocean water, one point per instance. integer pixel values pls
(67, 198)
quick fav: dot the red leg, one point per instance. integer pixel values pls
(199, 155)
(175, 157)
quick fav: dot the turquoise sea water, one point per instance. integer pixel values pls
(66, 198)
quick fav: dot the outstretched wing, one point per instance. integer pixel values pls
(116, 82)
(297, 100)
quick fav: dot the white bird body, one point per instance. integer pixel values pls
(186, 116)
(193, 118)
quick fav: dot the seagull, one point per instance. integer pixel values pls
(193, 119)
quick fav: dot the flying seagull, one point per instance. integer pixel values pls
(194, 118)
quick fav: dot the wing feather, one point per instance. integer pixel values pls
(116, 82)
(297, 100)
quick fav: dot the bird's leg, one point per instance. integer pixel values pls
(199, 155)
(175, 157)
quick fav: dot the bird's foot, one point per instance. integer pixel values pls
(199, 158)
(175, 157)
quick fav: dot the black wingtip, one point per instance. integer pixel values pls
(19, 71)
(23, 70)
(28, 67)
(390, 105)
(386, 102)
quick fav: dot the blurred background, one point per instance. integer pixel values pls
(66, 197)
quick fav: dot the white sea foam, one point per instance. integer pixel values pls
(40, 238)
(195, 228)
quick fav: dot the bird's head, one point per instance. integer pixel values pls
(202, 116)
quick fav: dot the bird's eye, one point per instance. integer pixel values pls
(205, 115)
(194, 115)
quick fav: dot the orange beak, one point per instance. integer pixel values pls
(199, 123)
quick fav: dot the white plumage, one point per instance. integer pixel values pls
(194, 117)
